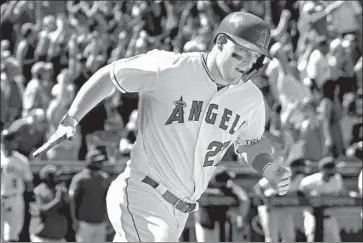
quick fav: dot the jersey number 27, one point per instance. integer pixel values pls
(214, 148)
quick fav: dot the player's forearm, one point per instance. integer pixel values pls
(258, 155)
(96, 89)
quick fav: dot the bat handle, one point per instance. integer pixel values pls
(48, 145)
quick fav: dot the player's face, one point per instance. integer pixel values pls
(234, 61)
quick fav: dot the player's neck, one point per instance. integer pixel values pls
(213, 69)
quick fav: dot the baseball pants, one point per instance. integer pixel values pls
(331, 228)
(12, 217)
(88, 232)
(138, 212)
(277, 223)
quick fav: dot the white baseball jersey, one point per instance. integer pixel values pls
(185, 124)
(14, 171)
(317, 186)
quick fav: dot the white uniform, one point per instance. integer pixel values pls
(315, 185)
(278, 222)
(185, 127)
(14, 171)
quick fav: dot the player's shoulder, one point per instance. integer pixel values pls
(168, 59)
(251, 92)
(311, 179)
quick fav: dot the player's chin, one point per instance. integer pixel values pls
(234, 80)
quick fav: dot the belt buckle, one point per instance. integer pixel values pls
(186, 208)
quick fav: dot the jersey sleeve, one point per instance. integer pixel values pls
(254, 132)
(139, 73)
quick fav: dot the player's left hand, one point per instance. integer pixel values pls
(278, 176)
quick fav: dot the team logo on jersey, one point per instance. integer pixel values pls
(178, 113)
(225, 119)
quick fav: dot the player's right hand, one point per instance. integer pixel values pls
(278, 176)
(65, 131)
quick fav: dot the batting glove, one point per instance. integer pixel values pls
(278, 176)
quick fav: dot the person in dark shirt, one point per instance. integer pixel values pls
(211, 219)
(48, 213)
(88, 199)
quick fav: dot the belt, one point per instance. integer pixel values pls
(178, 203)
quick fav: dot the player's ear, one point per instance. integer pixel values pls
(221, 41)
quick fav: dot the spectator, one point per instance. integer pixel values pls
(307, 134)
(47, 78)
(26, 49)
(120, 50)
(347, 19)
(285, 86)
(326, 182)
(129, 134)
(351, 123)
(318, 69)
(331, 113)
(35, 94)
(12, 89)
(29, 132)
(88, 194)
(16, 180)
(48, 221)
(211, 219)
(56, 39)
(48, 26)
(341, 67)
(63, 95)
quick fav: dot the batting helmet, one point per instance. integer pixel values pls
(247, 30)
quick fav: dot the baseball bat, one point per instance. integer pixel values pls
(49, 144)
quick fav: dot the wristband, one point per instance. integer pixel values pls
(69, 121)
(261, 162)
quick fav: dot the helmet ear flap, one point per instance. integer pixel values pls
(254, 69)
(259, 62)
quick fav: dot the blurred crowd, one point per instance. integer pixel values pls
(49, 49)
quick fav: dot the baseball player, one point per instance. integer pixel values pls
(325, 182)
(16, 178)
(193, 106)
